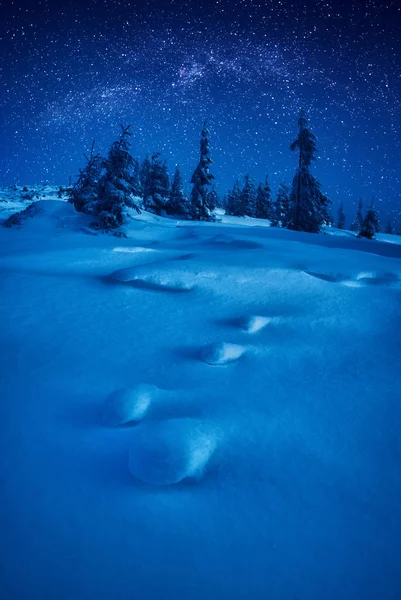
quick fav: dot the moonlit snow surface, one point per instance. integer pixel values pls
(276, 475)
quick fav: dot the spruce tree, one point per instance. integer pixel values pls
(389, 228)
(356, 224)
(178, 202)
(116, 185)
(234, 206)
(341, 217)
(263, 203)
(370, 225)
(84, 193)
(144, 175)
(309, 206)
(158, 186)
(201, 181)
(281, 208)
(137, 189)
(248, 197)
(213, 200)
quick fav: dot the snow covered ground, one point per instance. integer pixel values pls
(258, 368)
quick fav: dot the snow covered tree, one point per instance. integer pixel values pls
(201, 181)
(84, 193)
(144, 175)
(213, 199)
(234, 206)
(116, 184)
(248, 196)
(341, 217)
(263, 202)
(370, 225)
(281, 208)
(137, 189)
(389, 228)
(178, 202)
(157, 190)
(308, 205)
(356, 224)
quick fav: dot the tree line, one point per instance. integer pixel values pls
(107, 185)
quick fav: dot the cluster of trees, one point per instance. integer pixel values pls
(304, 207)
(365, 225)
(105, 186)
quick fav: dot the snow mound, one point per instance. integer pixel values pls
(164, 276)
(222, 353)
(169, 451)
(255, 323)
(128, 405)
(362, 279)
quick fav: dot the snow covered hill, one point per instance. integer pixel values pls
(199, 410)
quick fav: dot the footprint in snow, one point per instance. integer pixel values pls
(160, 279)
(168, 452)
(254, 323)
(129, 405)
(222, 353)
(360, 280)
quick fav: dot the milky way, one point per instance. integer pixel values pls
(72, 72)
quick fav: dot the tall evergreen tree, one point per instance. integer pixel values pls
(370, 225)
(309, 206)
(389, 227)
(356, 224)
(158, 187)
(201, 181)
(116, 183)
(234, 206)
(341, 217)
(263, 203)
(178, 202)
(144, 175)
(213, 199)
(248, 196)
(84, 193)
(281, 208)
(137, 189)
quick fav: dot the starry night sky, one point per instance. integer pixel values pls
(73, 71)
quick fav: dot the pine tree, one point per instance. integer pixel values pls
(201, 180)
(234, 206)
(178, 202)
(370, 225)
(137, 189)
(263, 204)
(389, 228)
(356, 224)
(309, 206)
(84, 193)
(248, 197)
(144, 175)
(116, 184)
(281, 208)
(158, 186)
(341, 217)
(213, 199)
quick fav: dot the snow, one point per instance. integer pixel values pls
(275, 476)
(167, 452)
